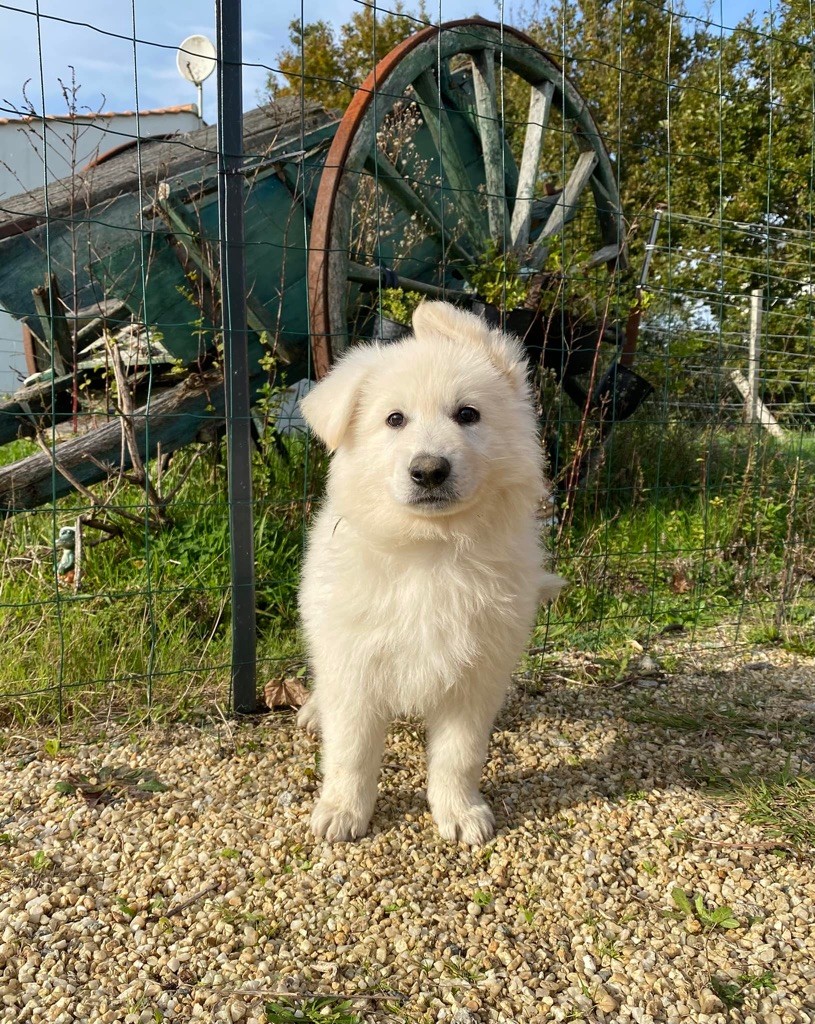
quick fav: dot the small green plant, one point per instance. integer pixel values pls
(496, 279)
(322, 1010)
(105, 784)
(485, 854)
(40, 862)
(719, 917)
(783, 805)
(124, 907)
(464, 971)
(398, 305)
(262, 924)
(229, 853)
(734, 993)
(607, 949)
(482, 898)
(51, 747)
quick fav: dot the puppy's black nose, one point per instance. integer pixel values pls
(429, 470)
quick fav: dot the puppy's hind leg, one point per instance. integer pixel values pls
(353, 738)
(458, 732)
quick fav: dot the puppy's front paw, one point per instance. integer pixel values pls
(470, 823)
(336, 823)
(308, 718)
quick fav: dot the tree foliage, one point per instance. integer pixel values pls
(330, 64)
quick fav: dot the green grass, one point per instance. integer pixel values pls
(782, 805)
(322, 1010)
(681, 528)
(687, 528)
(734, 993)
(152, 617)
(742, 714)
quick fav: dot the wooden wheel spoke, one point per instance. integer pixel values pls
(565, 206)
(492, 143)
(409, 197)
(456, 179)
(540, 104)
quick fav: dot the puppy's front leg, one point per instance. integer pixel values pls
(458, 732)
(352, 743)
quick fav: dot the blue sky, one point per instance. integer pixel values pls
(114, 73)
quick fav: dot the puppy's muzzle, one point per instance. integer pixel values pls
(429, 471)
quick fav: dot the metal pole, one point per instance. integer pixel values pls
(754, 351)
(236, 356)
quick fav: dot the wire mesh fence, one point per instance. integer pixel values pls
(628, 189)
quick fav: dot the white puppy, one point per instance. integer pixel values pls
(424, 567)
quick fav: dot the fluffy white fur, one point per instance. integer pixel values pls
(421, 608)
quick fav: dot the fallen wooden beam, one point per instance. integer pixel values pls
(173, 418)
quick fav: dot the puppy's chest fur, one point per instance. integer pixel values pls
(419, 620)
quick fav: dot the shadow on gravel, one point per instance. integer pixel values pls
(559, 743)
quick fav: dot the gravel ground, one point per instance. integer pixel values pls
(208, 898)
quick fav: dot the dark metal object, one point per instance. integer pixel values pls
(555, 340)
(236, 353)
(619, 393)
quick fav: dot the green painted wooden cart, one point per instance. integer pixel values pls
(426, 181)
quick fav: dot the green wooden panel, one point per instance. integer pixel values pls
(160, 298)
(62, 246)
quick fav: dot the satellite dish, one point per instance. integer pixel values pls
(196, 59)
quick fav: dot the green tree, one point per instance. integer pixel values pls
(331, 64)
(741, 190)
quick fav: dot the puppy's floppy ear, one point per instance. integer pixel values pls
(504, 351)
(329, 407)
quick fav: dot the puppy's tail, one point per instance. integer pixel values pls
(551, 586)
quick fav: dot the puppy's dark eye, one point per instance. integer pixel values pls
(467, 414)
(396, 420)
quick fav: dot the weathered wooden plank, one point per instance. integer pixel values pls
(184, 226)
(51, 311)
(458, 93)
(540, 104)
(754, 405)
(457, 181)
(564, 209)
(37, 405)
(140, 169)
(607, 254)
(371, 276)
(492, 144)
(176, 417)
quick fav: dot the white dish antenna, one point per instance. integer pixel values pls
(196, 60)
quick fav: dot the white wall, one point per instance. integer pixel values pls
(72, 143)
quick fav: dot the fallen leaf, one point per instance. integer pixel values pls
(288, 692)
(680, 584)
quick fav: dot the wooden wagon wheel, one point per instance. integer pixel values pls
(421, 179)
